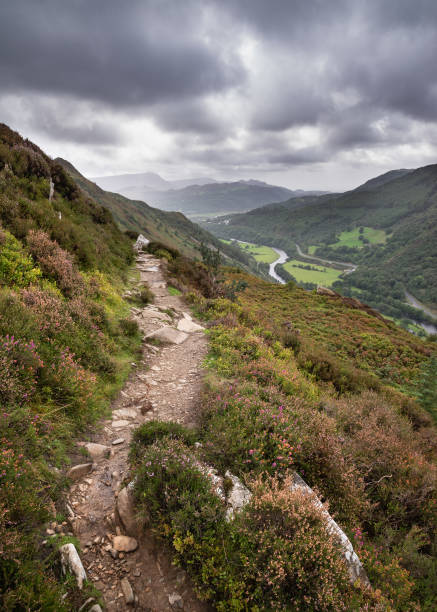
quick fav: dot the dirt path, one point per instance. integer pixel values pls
(165, 385)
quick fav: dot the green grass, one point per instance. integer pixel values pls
(173, 290)
(261, 253)
(351, 239)
(318, 274)
(312, 249)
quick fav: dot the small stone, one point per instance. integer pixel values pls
(125, 543)
(127, 591)
(50, 532)
(117, 441)
(95, 608)
(96, 540)
(176, 601)
(58, 528)
(76, 472)
(137, 573)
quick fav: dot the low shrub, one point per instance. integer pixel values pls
(146, 295)
(152, 431)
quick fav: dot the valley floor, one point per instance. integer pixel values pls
(165, 386)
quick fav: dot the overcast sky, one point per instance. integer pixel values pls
(309, 94)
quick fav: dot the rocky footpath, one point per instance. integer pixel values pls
(122, 559)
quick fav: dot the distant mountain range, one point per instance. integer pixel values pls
(198, 196)
(171, 228)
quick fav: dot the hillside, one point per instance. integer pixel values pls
(404, 207)
(65, 347)
(277, 385)
(171, 228)
(296, 383)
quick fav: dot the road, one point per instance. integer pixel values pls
(348, 267)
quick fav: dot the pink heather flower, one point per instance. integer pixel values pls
(251, 452)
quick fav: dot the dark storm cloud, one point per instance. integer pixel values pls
(233, 82)
(125, 54)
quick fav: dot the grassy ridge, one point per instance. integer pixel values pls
(65, 348)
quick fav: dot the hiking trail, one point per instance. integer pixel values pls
(164, 385)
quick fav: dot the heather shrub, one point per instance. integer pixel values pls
(290, 562)
(56, 263)
(152, 431)
(19, 365)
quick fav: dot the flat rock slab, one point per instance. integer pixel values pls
(168, 335)
(78, 471)
(119, 424)
(125, 543)
(125, 413)
(148, 313)
(185, 325)
(97, 450)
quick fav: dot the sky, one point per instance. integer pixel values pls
(309, 94)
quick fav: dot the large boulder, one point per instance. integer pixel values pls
(140, 242)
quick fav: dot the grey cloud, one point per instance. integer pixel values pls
(138, 53)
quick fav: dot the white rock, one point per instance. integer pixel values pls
(187, 316)
(168, 335)
(185, 325)
(141, 241)
(176, 601)
(70, 561)
(96, 608)
(117, 441)
(354, 565)
(238, 497)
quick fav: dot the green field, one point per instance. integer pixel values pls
(320, 275)
(261, 253)
(351, 239)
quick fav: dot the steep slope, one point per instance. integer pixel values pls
(305, 384)
(65, 347)
(405, 208)
(171, 228)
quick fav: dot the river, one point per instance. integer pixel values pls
(428, 327)
(281, 259)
